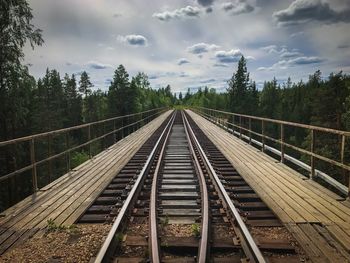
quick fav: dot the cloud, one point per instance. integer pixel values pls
(209, 10)
(207, 81)
(290, 54)
(133, 40)
(297, 34)
(299, 61)
(117, 15)
(302, 11)
(98, 65)
(201, 48)
(238, 7)
(182, 61)
(185, 12)
(228, 56)
(282, 51)
(205, 2)
(220, 65)
(344, 46)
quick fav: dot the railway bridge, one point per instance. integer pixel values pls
(195, 185)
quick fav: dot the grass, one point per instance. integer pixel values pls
(196, 230)
(52, 227)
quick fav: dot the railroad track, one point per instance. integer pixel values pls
(180, 200)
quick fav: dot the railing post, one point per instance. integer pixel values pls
(233, 124)
(342, 160)
(122, 128)
(263, 135)
(312, 151)
(34, 172)
(89, 139)
(49, 153)
(282, 143)
(240, 126)
(68, 153)
(250, 130)
(114, 135)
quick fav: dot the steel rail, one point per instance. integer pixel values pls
(249, 246)
(110, 241)
(203, 250)
(153, 229)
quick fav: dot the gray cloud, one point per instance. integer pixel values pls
(209, 9)
(201, 48)
(299, 61)
(207, 81)
(302, 11)
(134, 40)
(185, 12)
(228, 56)
(205, 2)
(98, 65)
(220, 65)
(238, 7)
(344, 46)
(290, 54)
(182, 61)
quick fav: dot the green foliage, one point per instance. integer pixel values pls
(52, 227)
(196, 230)
(78, 158)
(164, 221)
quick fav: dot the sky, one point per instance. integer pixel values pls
(193, 43)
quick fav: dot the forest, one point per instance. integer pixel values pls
(54, 101)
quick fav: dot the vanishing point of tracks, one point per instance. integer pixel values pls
(179, 200)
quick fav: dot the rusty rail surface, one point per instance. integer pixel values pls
(130, 121)
(222, 119)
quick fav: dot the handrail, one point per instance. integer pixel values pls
(224, 122)
(133, 121)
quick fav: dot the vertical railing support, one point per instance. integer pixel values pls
(240, 126)
(312, 161)
(282, 142)
(34, 172)
(89, 139)
(68, 153)
(49, 153)
(233, 124)
(114, 135)
(250, 130)
(263, 135)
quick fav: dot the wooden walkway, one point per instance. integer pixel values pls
(315, 216)
(65, 199)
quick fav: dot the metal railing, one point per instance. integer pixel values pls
(117, 125)
(233, 122)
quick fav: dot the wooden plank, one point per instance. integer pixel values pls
(328, 251)
(312, 251)
(340, 235)
(253, 156)
(33, 217)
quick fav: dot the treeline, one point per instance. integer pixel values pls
(52, 103)
(318, 101)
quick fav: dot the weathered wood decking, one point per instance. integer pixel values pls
(315, 216)
(66, 198)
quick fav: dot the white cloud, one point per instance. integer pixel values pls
(238, 7)
(133, 40)
(201, 48)
(228, 56)
(299, 61)
(185, 12)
